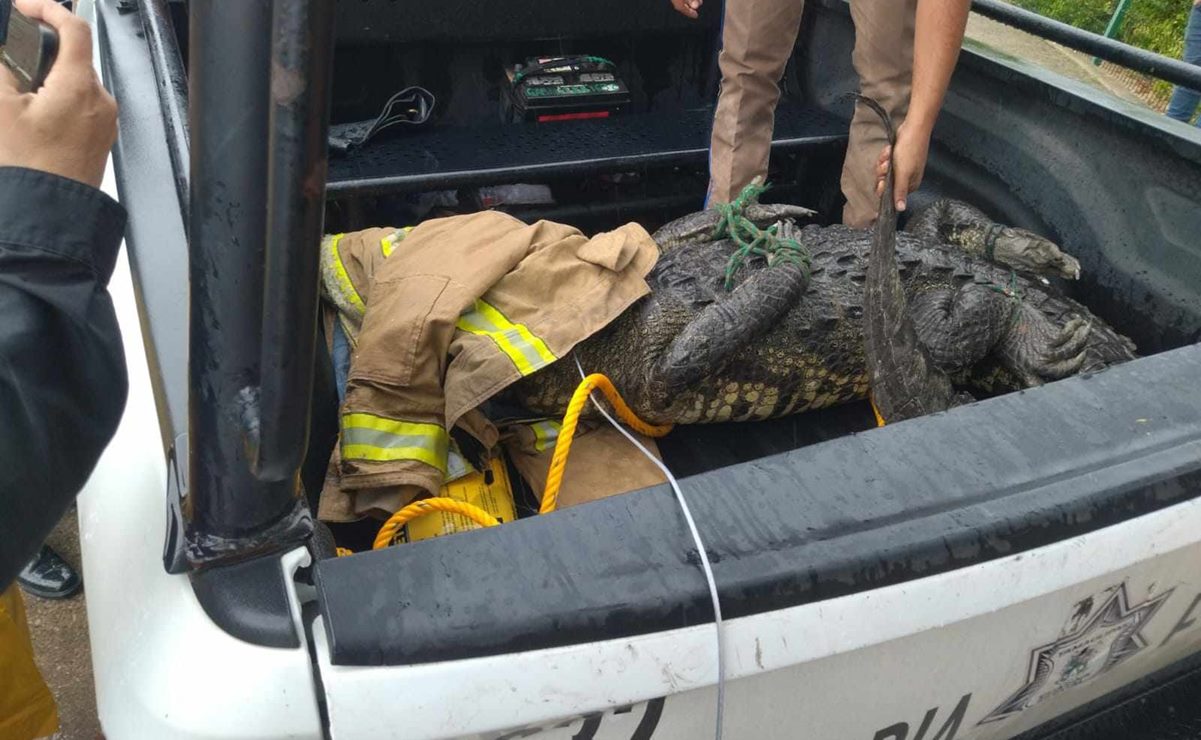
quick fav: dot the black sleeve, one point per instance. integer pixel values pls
(62, 366)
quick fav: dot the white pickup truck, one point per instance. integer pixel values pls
(1025, 566)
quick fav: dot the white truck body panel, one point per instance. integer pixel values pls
(163, 670)
(896, 663)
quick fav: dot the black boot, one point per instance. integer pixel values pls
(49, 576)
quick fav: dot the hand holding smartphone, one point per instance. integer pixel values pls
(27, 48)
(69, 125)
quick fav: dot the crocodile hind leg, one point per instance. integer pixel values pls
(1037, 350)
(726, 327)
(959, 328)
(964, 226)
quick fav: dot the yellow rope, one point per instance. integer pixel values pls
(879, 417)
(428, 506)
(343, 551)
(596, 381)
(554, 477)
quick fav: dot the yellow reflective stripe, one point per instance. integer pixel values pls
(499, 319)
(528, 352)
(392, 454)
(377, 438)
(344, 281)
(467, 323)
(387, 245)
(359, 420)
(546, 433)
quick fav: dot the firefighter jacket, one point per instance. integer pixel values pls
(445, 316)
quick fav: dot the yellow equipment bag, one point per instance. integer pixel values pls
(496, 498)
(27, 708)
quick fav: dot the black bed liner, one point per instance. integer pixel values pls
(996, 478)
(381, 22)
(438, 158)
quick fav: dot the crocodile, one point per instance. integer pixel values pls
(790, 337)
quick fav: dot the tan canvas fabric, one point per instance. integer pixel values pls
(464, 307)
(757, 40)
(336, 505)
(348, 267)
(602, 463)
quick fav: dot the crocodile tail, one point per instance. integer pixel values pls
(904, 379)
(889, 129)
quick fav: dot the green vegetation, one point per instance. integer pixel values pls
(1155, 25)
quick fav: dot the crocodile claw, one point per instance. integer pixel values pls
(1029, 252)
(1037, 350)
(702, 226)
(765, 215)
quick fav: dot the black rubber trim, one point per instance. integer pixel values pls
(438, 158)
(869, 510)
(249, 601)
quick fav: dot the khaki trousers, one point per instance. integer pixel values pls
(757, 41)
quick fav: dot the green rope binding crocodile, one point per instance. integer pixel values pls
(750, 239)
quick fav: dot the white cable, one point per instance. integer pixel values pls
(700, 547)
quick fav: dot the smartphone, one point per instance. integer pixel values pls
(27, 48)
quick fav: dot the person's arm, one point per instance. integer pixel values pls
(938, 39)
(62, 369)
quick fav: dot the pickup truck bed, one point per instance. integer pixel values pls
(859, 511)
(477, 155)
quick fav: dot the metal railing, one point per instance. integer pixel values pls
(1100, 47)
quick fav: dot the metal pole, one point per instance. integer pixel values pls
(1115, 24)
(1155, 65)
(230, 513)
(301, 71)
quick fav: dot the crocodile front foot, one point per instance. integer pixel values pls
(966, 227)
(1026, 251)
(765, 215)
